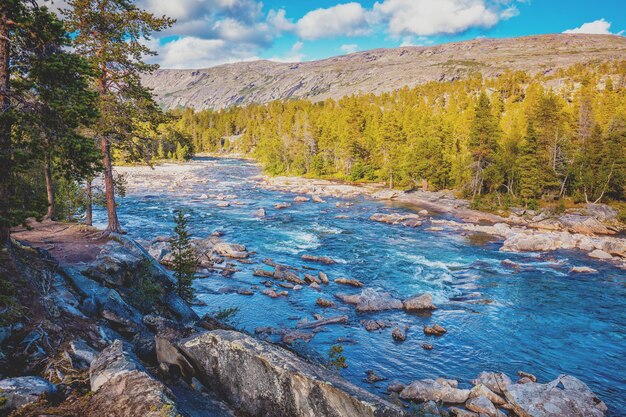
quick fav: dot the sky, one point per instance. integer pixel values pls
(213, 32)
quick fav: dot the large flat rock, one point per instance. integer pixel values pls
(262, 379)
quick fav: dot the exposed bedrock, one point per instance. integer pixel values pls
(266, 380)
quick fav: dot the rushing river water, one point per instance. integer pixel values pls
(541, 319)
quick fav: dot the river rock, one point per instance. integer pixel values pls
(231, 250)
(419, 302)
(395, 386)
(323, 278)
(386, 194)
(461, 412)
(18, 392)
(481, 390)
(435, 330)
(529, 243)
(600, 254)
(373, 377)
(582, 270)
(430, 390)
(273, 294)
(586, 225)
(317, 199)
(374, 325)
(280, 206)
(350, 282)
(496, 382)
(565, 396)
(481, 405)
(266, 380)
(322, 302)
(263, 273)
(301, 199)
(311, 279)
(260, 213)
(320, 259)
(398, 334)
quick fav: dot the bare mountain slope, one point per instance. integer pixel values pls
(376, 71)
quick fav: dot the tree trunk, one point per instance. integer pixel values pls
(49, 187)
(88, 209)
(113, 224)
(5, 129)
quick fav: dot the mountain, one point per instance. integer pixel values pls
(376, 71)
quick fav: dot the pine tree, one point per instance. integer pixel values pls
(529, 168)
(110, 33)
(483, 141)
(185, 260)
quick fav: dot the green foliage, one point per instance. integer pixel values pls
(226, 315)
(336, 358)
(471, 135)
(185, 260)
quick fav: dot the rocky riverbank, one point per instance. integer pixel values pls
(589, 229)
(105, 334)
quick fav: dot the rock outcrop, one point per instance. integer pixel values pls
(18, 392)
(123, 387)
(265, 380)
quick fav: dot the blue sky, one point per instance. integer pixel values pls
(213, 32)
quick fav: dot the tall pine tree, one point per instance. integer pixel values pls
(185, 260)
(529, 168)
(483, 142)
(111, 34)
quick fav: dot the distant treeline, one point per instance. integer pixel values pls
(515, 137)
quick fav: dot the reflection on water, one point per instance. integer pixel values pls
(535, 317)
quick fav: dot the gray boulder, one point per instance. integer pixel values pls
(21, 391)
(266, 380)
(565, 396)
(422, 302)
(123, 387)
(431, 390)
(495, 382)
(371, 300)
(601, 212)
(481, 405)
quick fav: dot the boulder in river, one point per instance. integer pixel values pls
(301, 199)
(280, 206)
(421, 302)
(374, 325)
(348, 281)
(482, 406)
(600, 254)
(565, 396)
(230, 250)
(398, 334)
(260, 213)
(323, 278)
(496, 382)
(431, 390)
(435, 330)
(322, 302)
(370, 300)
(320, 259)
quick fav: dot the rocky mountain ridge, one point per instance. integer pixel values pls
(376, 71)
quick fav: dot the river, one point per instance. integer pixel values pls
(538, 318)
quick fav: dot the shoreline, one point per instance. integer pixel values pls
(541, 233)
(524, 232)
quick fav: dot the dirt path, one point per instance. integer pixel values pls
(67, 243)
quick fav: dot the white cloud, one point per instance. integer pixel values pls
(349, 48)
(597, 27)
(443, 17)
(349, 19)
(192, 52)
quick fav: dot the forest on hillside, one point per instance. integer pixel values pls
(514, 139)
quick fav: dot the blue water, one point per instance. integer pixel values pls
(541, 320)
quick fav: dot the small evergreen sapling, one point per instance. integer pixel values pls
(185, 260)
